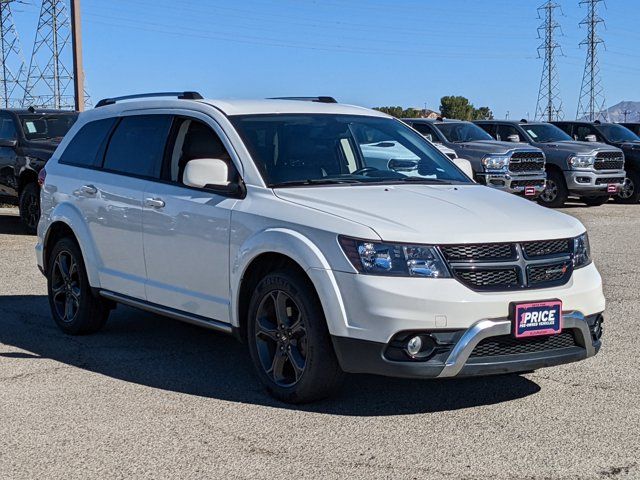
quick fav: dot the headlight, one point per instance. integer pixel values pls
(377, 258)
(581, 251)
(496, 162)
(582, 161)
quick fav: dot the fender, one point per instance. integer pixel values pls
(303, 251)
(71, 216)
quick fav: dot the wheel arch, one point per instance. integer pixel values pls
(276, 248)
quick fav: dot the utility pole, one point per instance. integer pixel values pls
(13, 67)
(625, 113)
(591, 104)
(78, 68)
(54, 85)
(549, 106)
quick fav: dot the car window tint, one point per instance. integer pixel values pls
(137, 145)
(505, 131)
(85, 145)
(7, 129)
(426, 131)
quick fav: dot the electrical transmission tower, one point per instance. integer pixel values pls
(549, 107)
(13, 71)
(52, 85)
(591, 104)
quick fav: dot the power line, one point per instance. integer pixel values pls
(13, 70)
(591, 104)
(549, 106)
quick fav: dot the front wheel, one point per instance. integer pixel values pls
(630, 191)
(73, 306)
(29, 206)
(556, 192)
(289, 342)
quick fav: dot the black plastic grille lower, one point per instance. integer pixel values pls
(508, 345)
(528, 183)
(484, 252)
(489, 279)
(546, 248)
(548, 274)
(607, 181)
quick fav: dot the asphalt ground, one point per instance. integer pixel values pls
(153, 398)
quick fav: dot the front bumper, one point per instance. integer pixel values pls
(359, 356)
(515, 183)
(593, 182)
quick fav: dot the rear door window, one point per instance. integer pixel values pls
(7, 128)
(137, 146)
(505, 131)
(84, 147)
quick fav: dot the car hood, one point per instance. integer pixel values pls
(438, 214)
(491, 147)
(570, 146)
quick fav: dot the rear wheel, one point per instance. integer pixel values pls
(556, 192)
(30, 207)
(630, 191)
(289, 341)
(595, 201)
(73, 306)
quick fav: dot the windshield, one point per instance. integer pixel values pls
(302, 149)
(617, 133)
(45, 127)
(545, 133)
(459, 132)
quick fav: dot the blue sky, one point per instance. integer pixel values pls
(366, 52)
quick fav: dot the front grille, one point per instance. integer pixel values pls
(528, 183)
(607, 181)
(508, 345)
(549, 273)
(485, 252)
(546, 248)
(526, 162)
(509, 266)
(609, 161)
(489, 279)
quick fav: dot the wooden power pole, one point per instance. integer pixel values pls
(78, 69)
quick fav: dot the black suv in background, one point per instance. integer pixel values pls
(633, 126)
(28, 138)
(618, 136)
(591, 171)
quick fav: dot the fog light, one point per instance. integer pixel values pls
(414, 345)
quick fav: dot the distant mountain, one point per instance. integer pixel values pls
(616, 113)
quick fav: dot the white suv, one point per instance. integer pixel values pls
(268, 220)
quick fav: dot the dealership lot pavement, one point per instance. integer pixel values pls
(153, 398)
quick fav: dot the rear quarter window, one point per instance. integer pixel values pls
(84, 147)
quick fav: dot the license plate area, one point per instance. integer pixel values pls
(612, 188)
(536, 318)
(529, 191)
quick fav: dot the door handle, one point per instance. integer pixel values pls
(89, 189)
(154, 202)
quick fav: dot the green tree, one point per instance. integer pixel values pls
(400, 112)
(456, 107)
(483, 113)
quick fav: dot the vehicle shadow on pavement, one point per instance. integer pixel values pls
(161, 353)
(11, 225)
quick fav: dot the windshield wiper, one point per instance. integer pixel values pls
(315, 181)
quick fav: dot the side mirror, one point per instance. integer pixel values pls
(8, 142)
(428, 136)
(591, 138)
(210, 174)
(514, 138)
(464, 165)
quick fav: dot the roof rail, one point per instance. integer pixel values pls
(320, 99)
(180, 95)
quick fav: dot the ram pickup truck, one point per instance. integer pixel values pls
(592, 172)
(27, 139)
(618, 136)
(512, 168)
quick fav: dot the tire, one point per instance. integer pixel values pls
(73, 305)
(556, 192)
(596, 201)
(630, 191)
(29, 205)
(291, 350)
